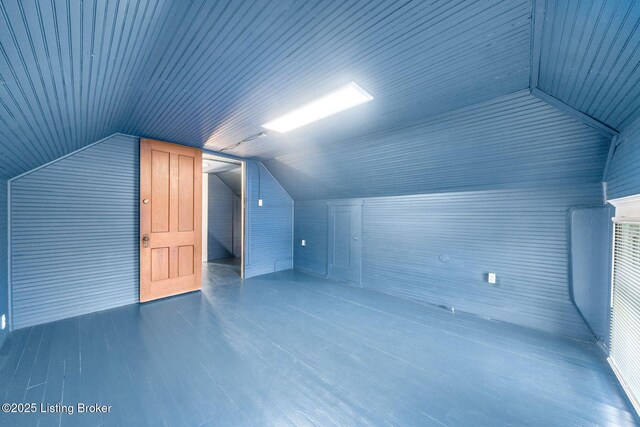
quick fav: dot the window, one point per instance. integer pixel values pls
(625, 308)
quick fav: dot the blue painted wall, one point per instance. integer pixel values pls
(487, 188)
(237, 225)
(515, 140)
(311, 225)
(232, 179)
(437, 248)
(591, 231)
(270, 227)
(220, 219)
(623, 178)
(74, 234)
(4, 288)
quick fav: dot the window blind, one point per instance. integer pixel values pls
(625, 309)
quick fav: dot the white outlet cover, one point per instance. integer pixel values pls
(303, 243)
(4, 321)
(259, 202)
(491, 278)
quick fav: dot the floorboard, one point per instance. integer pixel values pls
(293, 349)
(232, 263)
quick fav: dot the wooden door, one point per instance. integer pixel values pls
(170, 219)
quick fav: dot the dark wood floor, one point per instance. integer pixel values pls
(292, 349)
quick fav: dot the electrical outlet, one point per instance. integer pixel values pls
(259, 202)
(4, 321)
(303, 242)
(491, 278)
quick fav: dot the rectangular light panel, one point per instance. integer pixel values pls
(340, 99)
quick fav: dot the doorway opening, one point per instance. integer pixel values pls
(223, 213)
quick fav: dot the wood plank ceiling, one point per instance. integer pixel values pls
(208, 74)
(590, 58)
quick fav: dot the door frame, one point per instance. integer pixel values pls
(208, 155)
(352, 203)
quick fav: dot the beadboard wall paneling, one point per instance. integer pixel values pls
(515, 140)
(4, 286)
(438, 249)
(310, 225)
(270, 227)
(232, 179)
(220, 219)
(74, 234)
(237, 225)
(623, 178)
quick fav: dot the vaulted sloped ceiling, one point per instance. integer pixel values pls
(232, 179)
(515, 139)
(67, 70)
(590, 57)
(209, 73)
(228, 68)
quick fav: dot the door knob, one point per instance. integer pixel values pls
(355, 238)
(145, 240)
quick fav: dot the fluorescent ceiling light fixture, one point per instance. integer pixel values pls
(340, 99)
